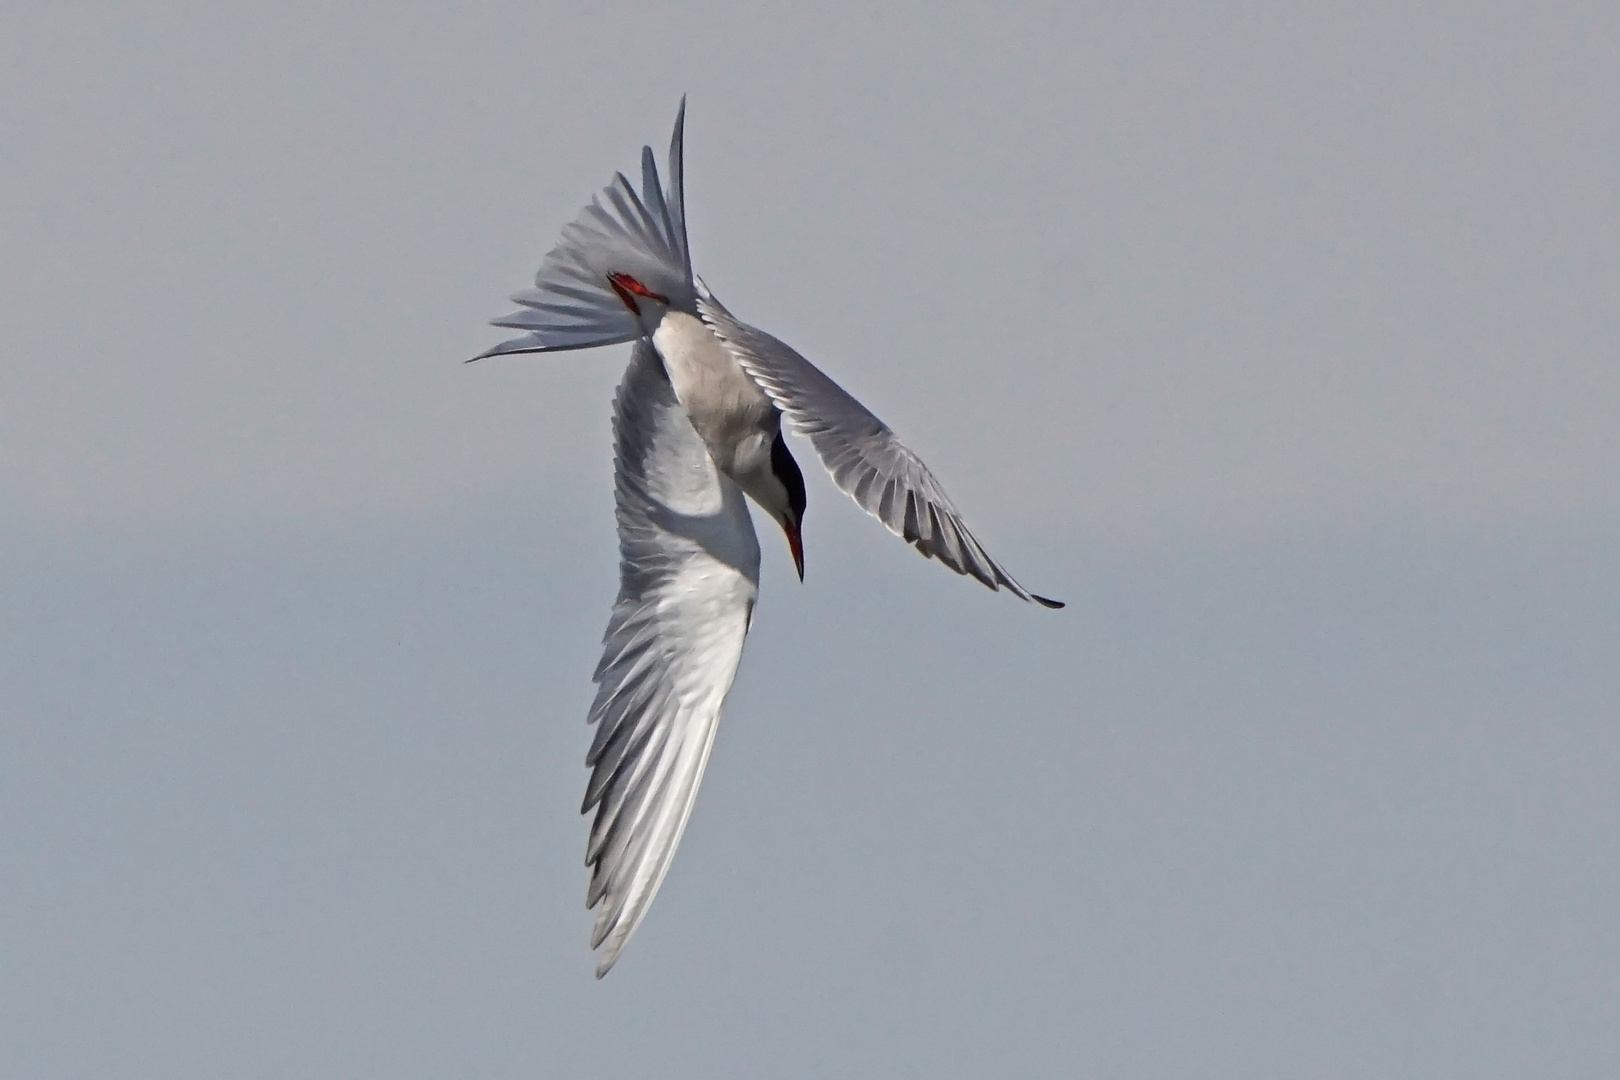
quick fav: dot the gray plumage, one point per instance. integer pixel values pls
(866, 460)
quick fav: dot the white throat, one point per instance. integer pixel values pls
(730, 412)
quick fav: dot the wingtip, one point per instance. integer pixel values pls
(604, 964)
(1047, 602)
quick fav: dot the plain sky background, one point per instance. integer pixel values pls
(1282, 341)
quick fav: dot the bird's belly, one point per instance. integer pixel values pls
(727, 408)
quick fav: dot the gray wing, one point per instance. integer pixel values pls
(865, 458)
(688, 576)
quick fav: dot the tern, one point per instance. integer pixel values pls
(697, 426)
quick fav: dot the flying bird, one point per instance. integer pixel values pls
(697, 426)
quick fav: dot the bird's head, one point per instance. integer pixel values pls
(784, 498)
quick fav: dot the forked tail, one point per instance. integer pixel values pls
(574, 303)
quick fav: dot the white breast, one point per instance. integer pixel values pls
(727, 408)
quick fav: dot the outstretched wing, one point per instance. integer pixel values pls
(688, 576)
(865, 458)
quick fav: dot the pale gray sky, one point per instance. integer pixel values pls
(1303, 332)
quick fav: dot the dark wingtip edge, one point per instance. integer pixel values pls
(1047, 603)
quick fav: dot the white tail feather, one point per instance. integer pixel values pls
(622, 231)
